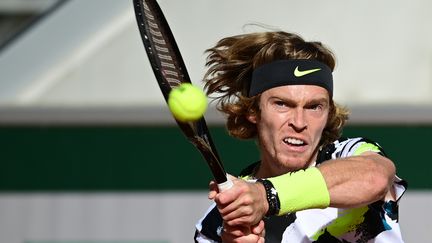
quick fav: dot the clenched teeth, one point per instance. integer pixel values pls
(294, 141)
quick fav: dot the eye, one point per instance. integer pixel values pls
(280, 103)
(316, 107)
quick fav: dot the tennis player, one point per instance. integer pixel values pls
(310, 185)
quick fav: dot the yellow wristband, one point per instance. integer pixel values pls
(301, 190)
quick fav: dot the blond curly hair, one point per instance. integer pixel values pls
(231, 62)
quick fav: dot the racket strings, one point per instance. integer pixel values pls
(166, 61)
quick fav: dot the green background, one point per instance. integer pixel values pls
(147, 158)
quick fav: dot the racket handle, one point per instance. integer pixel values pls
(225, 185)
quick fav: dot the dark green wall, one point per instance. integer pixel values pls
(159, 158)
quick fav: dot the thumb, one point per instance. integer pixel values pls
(213, 190)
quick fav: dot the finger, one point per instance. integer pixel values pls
(259, 228)
(241, 216)
(240, 222)
(235, 207)
(239, 212)
(252, 238)
(236, 231)
(235, 196)
(229, 196)
(213, 190)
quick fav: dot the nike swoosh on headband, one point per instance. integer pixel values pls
(286, 72)
(299, 73)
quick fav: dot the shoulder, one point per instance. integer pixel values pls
(249, 170)
(345, 147)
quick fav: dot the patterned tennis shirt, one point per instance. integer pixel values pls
(377, 222)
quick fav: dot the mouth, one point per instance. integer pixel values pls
(294, 141)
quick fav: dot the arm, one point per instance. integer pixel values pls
(369, 175)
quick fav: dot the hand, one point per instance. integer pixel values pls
(245, 204)
(254, 234)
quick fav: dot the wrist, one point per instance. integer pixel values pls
(301, 190)
(273, 205)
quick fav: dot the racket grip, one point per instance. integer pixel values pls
(225, 185)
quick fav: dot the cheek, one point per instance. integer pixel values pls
(267, 131)
(319, 124)
(272, 124)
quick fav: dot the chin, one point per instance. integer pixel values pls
(291, 164)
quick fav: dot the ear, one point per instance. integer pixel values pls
(252, 117)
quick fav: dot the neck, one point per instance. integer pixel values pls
(268, 168)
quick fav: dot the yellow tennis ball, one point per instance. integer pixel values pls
(187, 102)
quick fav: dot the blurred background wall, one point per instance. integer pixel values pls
(90, 153)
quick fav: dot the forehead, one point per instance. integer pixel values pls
(297, 92)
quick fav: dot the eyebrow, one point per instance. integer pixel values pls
(312, 101)
(319, 100)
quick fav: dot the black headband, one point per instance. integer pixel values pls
(291, 72)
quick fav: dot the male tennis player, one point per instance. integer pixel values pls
(310, 185)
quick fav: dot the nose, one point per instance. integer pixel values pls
(298, 120)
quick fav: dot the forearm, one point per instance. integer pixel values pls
(345, 183)
(358, 180)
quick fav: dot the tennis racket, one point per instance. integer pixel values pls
(170, 71)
